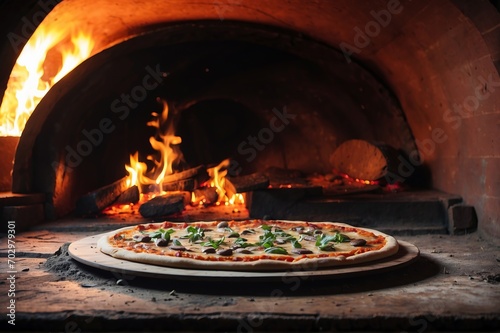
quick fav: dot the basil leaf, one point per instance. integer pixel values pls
(213, 243)
(268, 243)
(176, 242)
(323, 240)
(267, 240)
(242, 242)
(276, 250)
(195, 234)
(156, 234)
(161, 233)
(266, 227)
(286, 236)
(165, 236)
(340, 238)
(328, 247)
(296, 244)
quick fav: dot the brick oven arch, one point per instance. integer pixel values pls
(61, 151)
(436, 60)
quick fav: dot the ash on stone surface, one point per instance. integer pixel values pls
(67, 268)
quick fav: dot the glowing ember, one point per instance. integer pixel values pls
(361, 181)
(31, 77)
(396, 187)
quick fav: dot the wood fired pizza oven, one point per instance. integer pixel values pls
(268, 84)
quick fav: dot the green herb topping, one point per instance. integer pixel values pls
(194, 234)
(214, 243)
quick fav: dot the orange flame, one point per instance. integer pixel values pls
(164, 143)
(227, 194)
(29, 81)
(135, 170)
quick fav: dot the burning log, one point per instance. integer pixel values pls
(363, 160)
(94, 202)
(186, 180)
(255, 181)
(199, 173)
(164, 205)
(205, 195)
(131, 195)
(180, 185)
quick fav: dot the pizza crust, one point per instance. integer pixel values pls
(390, 248)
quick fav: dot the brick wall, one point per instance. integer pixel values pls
(485, 126)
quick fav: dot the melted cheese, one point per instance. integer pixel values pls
(211, 231)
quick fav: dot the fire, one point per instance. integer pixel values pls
(165, 144)
(225, 190)
(136, 170)
(32, 76)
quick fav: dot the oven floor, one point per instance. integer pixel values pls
(454, 285)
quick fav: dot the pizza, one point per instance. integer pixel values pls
(249, 245)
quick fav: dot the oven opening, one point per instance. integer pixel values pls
(230, 118)
(257, 122)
